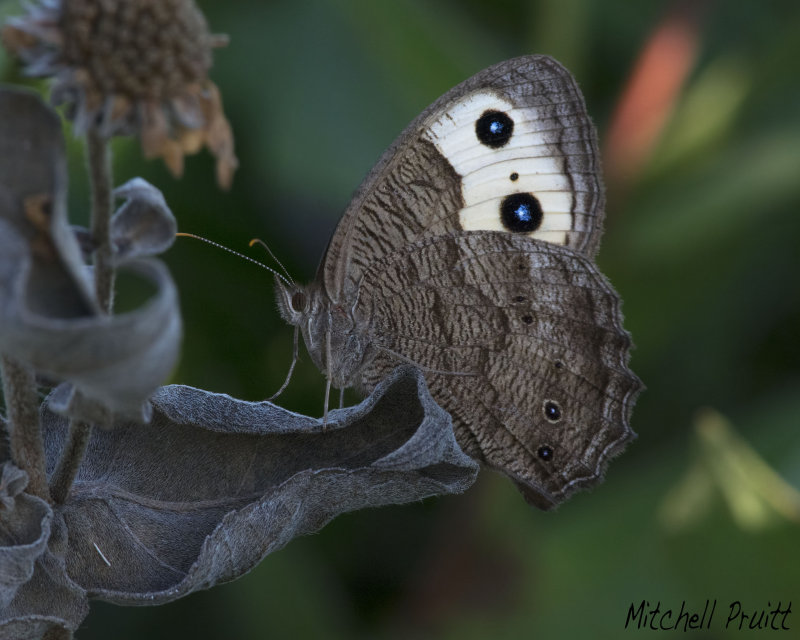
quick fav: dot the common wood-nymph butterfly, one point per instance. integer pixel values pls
(468, 251)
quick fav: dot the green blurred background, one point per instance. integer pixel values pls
(702, 241)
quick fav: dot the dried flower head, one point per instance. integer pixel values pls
(131, 67)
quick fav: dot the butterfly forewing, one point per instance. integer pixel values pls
(445, 173)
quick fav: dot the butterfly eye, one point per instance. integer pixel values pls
(299, 301)
(545, 453)
(552, 411)
(521, 213)
(494, 129)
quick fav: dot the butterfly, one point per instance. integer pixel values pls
(468, 252)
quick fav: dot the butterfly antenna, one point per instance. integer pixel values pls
(272, 255)
(236, 253)
(286, 280)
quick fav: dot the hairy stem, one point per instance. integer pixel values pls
(25, 434)
(98, 158)
(70, 462)
(98, 155)
(57, 633)
(5, 439)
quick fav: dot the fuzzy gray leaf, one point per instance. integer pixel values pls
(144, 225)
(117, 361)
(213, 484)
(49, 601)
(48, 316)
(33, 203)
(24, 532)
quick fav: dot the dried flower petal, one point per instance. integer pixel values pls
(131, 67)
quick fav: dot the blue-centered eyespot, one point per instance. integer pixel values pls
(552, 411)
(521, 213)
(494, 128)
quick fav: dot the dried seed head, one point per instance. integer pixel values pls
(143, 49)
(127, 67)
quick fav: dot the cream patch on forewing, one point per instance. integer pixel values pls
(486, 172)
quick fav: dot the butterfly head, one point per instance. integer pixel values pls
(335, 336)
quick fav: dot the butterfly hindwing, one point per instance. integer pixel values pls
(521, 341)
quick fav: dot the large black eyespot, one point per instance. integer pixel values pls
(552, 411)
(521, 213)
(494, 128)
(299, 301)
(545, 453)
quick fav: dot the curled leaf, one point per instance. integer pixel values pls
(144, 225)
(213, 484)
(12, 481)
(49, 319)
(32, 204)
(48, 603)
(24, 532)
(117, 361)
(67, 400)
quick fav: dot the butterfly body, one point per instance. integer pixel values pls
(468, 252)
(337, 337)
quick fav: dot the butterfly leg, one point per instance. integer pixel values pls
(325, 411)
(328, 383)
(291, 367)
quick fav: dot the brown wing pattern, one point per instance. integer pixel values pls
(416, 191)
(512, 332)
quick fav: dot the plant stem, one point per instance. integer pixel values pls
(98, 158)
(98, 154)
(22, 404)
(57, 633)
(70, 462)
